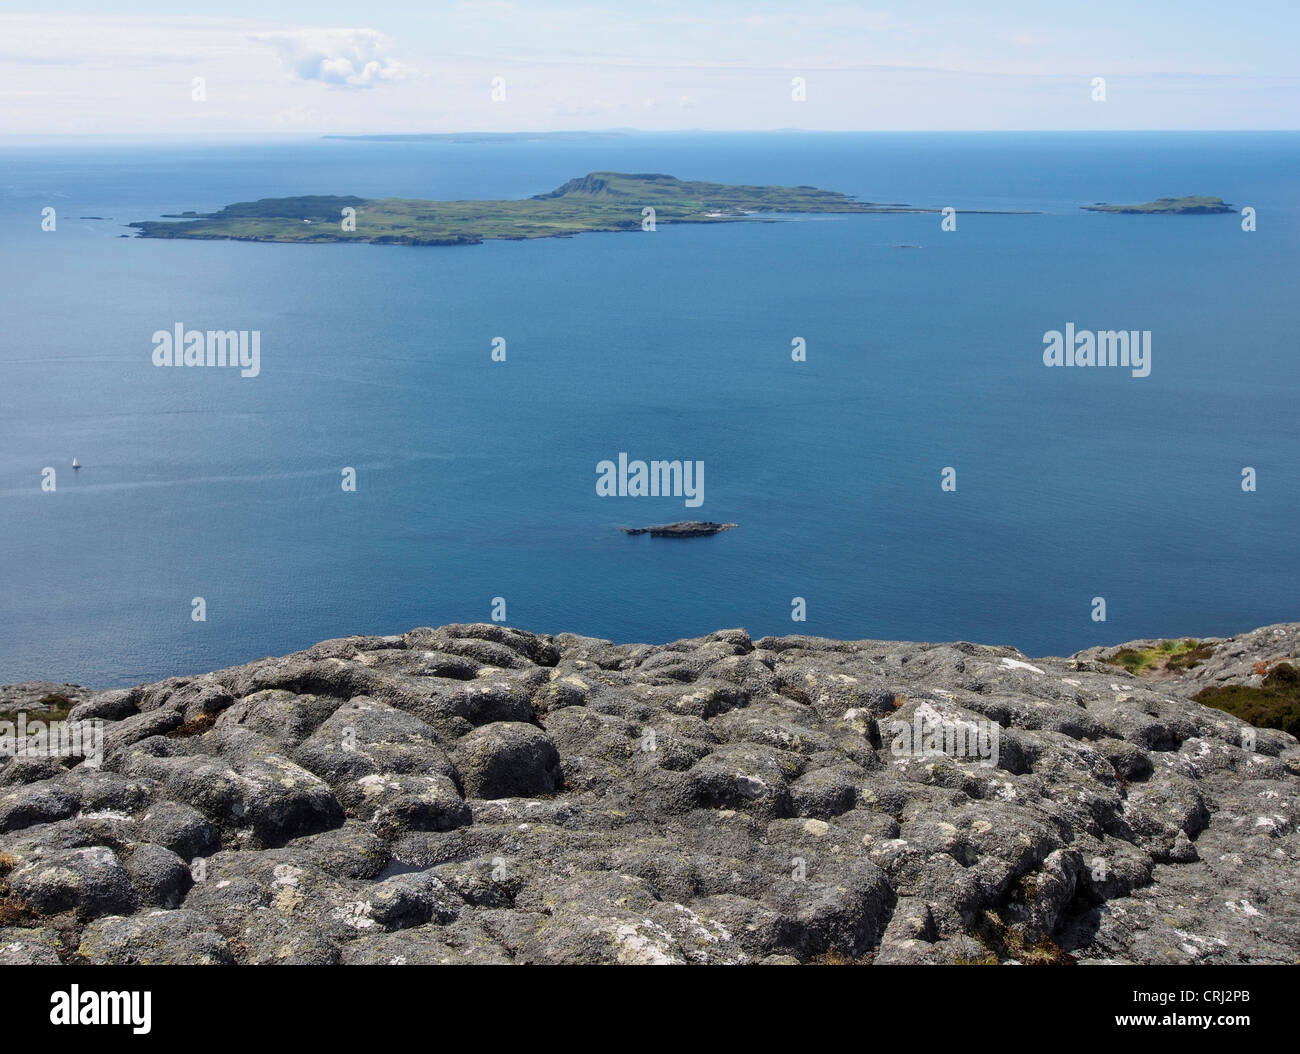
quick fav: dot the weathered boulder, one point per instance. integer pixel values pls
(90, 880)
(28, 947)
(155, 938)
(505, 759)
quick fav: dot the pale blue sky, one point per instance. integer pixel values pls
(428, 65)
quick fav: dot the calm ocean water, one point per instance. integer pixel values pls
(477, 480)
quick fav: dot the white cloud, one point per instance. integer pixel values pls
(342, 58)
(582, 67)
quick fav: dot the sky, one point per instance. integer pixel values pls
(344, 67)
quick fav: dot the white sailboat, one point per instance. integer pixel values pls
(75, 465)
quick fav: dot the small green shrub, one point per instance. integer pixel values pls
(1167, 655)
(1274, 704)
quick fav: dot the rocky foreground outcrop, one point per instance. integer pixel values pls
(477, 794)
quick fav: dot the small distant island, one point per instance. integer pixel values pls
(1189, 205)
(600, 201)
(477, 137)
(681, 529)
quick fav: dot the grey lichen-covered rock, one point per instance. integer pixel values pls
(432, 945)
(40, 699)
(115, 705)
(351, 851)
(178, 827)
(506, 759)
(28, 947)
(411, 900)
(90, 880)
(244, 785)
(478, 794)
(35, 803)
(155, 938)
(394, 803)
(161, 878)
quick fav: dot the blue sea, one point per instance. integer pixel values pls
(476, 479)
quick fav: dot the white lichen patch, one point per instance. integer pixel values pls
(644, 944)
(355, 914)
(373, 786)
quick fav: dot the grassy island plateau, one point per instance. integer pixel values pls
(600, 201)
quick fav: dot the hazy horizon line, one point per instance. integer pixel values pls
(282, 134)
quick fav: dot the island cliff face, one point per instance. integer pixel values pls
(478, 794)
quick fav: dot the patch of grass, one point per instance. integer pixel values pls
(838, 958)
(1130, 659)
(1274, 704)
(1043, 952)
(54, 706)
(194, 727)
(987, 959)
(13, 912)
(1008, 942)
(17, 913)
(1189, 658)
(1171, 655)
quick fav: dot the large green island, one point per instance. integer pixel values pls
(601, 201)
(1189, 205)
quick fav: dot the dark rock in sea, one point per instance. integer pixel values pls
(477, 794)
(682, 529)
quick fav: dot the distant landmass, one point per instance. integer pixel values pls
(682, 529)
(476, 137)
(1190, 205)
(600, 201)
